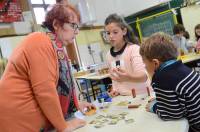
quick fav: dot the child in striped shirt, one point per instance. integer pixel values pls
(177, 87)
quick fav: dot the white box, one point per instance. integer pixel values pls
(22, 27)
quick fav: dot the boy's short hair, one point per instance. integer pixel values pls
(159, 46)
(178, 28)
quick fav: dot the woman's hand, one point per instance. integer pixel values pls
(86, 105)
(74, 124)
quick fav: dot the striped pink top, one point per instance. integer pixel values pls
(198, 44)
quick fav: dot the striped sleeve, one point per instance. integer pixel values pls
(168, 106)
(190, 88)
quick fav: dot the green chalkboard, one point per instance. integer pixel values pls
(160, 23)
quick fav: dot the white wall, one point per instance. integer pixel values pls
(104, 8)
(129, 7)
(8, 44)
(123, 7)
(191, 18)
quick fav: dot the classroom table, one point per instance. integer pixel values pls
(143, 121)
(93, 76)
(191, 59)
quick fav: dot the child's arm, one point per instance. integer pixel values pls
(168, 106)
(151, 106)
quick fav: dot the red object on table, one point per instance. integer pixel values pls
(134, 106)
(148, 91)
(133, 93)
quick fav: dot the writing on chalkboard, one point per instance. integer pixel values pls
(160, 23)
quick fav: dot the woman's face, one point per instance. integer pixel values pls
(115, 35)
(68, 31)
(197, 31)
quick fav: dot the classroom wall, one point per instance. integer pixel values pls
(191, 17)
(93, 38)
(128, 7)
(123, 7)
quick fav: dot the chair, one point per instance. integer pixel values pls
(82, 93)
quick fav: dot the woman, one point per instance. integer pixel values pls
(36, 89)
(126, 67)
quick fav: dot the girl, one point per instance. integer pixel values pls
(126, 67)
(197, 34)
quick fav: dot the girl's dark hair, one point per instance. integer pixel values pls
(60, 13)
(197, 27)
(130, 36)
(186, 35)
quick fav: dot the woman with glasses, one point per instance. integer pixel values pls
(127, 70)
(36, 90)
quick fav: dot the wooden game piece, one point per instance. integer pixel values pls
(134, 106)
(133, 93)
(148, 91)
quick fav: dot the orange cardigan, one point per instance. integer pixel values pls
(28, 95)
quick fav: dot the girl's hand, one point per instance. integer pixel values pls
(113, 93)
(119, 75)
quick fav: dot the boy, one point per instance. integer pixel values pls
(179, 40)
(176, 86)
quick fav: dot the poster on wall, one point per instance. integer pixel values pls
(90, 53)
(10, 11)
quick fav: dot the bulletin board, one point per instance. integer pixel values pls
(10, 11)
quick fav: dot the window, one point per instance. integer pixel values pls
(41, 12)
(40, 7)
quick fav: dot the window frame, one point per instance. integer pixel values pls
(43, 5)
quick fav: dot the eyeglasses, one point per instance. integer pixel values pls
(73, 25)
